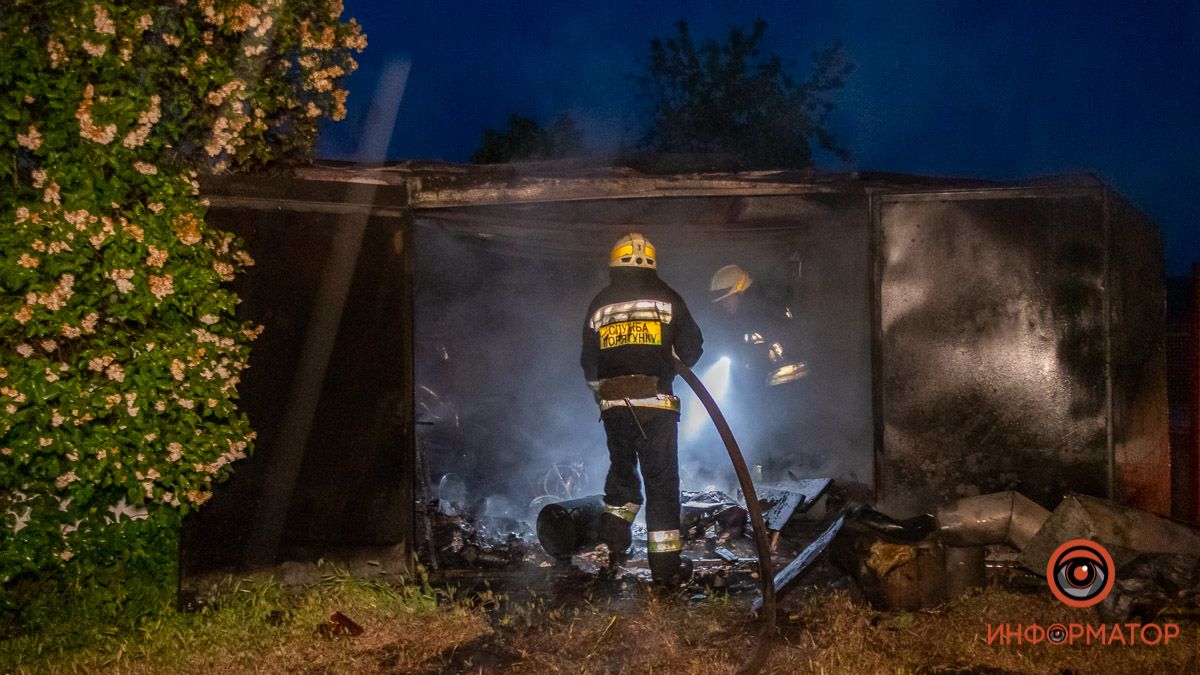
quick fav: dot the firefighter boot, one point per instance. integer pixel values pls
(670, 570)
(615, 533)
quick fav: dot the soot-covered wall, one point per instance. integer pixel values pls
(501, 293)
(1020, 347)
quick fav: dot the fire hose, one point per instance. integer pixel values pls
(766, 572)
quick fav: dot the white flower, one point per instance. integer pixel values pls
(115, 372)
(122, 279)
(25, 350)
(198, 497)
(102, 22)
(51, 195)
(87, 126)
(95, 49)
(31, 140)
(162, 286)
(57, 53)
(157, 257)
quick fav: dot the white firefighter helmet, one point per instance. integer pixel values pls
(634, 250)
(731, 279)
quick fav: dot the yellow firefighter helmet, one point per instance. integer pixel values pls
(731, 279)
(634, 250)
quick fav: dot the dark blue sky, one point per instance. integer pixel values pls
(1000, 90)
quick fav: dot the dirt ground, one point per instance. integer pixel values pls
(826, 632)
(584, 626)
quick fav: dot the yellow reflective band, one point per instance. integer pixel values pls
(631, 333)
(622, 251)
(627, 512)
(663, 541)
(650, 251)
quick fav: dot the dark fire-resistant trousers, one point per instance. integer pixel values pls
(657, 453)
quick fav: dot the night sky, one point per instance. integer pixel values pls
(997, 90)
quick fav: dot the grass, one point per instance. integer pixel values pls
(257, 628)
(260, 627)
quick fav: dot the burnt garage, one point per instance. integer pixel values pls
(950, 338)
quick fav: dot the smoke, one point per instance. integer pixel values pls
(501, 398)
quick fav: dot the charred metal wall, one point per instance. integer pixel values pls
(1019, 347)
(961, 339)
(1137, 306)
(329, 384)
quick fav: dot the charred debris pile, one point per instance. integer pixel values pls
(826, 536)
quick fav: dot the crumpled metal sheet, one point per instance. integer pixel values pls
(1000, 518)
(1124, 531)
(787, 498)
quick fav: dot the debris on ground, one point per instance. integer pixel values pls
(339, 625)
(1151, 585)
(701, 510)
(781, 501)
(787, 578)
(1007, 539)
(462, 539)
(897, 565)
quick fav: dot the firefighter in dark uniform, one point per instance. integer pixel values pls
(633, 331)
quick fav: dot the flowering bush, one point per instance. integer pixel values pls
(119, 351)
